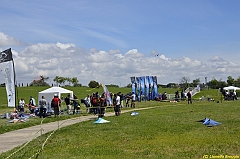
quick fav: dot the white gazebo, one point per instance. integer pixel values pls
(231, 88)
(49, 93)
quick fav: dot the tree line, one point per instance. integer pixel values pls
(213, 84)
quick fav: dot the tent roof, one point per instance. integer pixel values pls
(56, 89)
(231, 88)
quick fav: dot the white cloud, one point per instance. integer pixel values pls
(6, 40)
(113, 67)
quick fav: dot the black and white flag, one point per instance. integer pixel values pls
(6, 55)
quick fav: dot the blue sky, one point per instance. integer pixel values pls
(202, 31)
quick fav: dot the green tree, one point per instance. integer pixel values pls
(221, 84)
(230, 81)
(184, 81)
(69, 80)
(129, 85)
(93, 84)
(196, 82)
(237, 82)
(74, 81)
(62, 80)
(56, 79)
(213, 83)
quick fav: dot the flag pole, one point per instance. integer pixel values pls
(15, 84)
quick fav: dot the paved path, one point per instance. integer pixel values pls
(16, 138)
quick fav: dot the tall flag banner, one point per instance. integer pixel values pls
(133, 84)
(142, 79)
(107, 94)
(151, 87)
(147, 87)
(6, 56)
(138, 88)
(9, 82)
(155, 88)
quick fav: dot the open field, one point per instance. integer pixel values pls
(81, 92)
(169, 130)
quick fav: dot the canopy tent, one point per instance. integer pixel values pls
(49, 93)
(231, 88)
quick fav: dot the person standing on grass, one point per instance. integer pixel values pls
(189, 95)
(21, 105)
(117, 105)
(68, 102)
(32, 104)
(76, 105)
(55, 104)
(133, 97)
(42, 107)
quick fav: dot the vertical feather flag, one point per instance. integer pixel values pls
(138, 88)
(108, 97)
(147, 87)
(9, 82)
(133, 81)
(142, 87)
(6, 56)
(151, 87)
(155, 88)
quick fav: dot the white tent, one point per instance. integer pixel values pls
(49, 93)
(231, 88)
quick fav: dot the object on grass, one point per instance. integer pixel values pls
(209, 122)
(101, 120)
(134, 113)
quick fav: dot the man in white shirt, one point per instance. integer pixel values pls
(21, 105)
(117, 105)
(133, 96)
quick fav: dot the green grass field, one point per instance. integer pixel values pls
(170, 130)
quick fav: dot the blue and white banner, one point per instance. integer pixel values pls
(155, 88)
(10, 84)
(142, 88)
(151, 87)
(133, 82)
(138, 88)
(147, 87)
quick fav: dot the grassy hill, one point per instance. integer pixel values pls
(169, 130)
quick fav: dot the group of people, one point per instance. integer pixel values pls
(41, 109)
(73, 106)
(98, 103)
(229, 95)
(31, 105)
